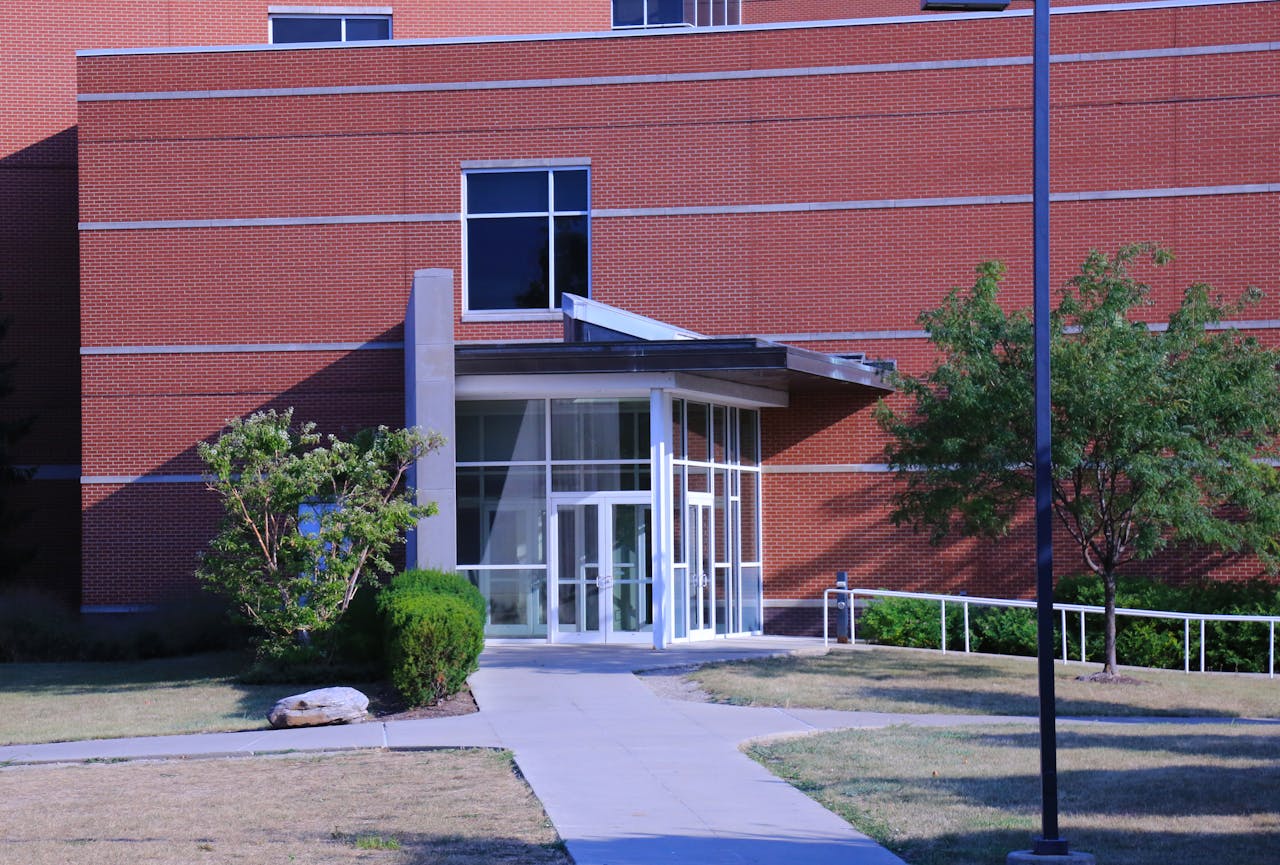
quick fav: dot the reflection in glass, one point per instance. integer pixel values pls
(632, 557)
(578, 550)
(598, 478)
(697, 432)
(752, 618)
(600, 429)
(750, 517)
(507, 263)
(500, 431)
(517, 599)
(749, 437)
(501, 515)
(572, 254)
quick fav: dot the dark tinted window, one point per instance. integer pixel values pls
(571, 190)
(284, 30)
(519, 260)
(364, 29)
(507, 263)
(328, 28)
(507, 192)
(628, 13)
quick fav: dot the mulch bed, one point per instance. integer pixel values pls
(385, 705)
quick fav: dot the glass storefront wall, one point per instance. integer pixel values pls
(555, 519)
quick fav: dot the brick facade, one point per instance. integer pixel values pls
(820, 183)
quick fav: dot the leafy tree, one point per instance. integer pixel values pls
(12, 555)
(305, 520)
(1159, 435)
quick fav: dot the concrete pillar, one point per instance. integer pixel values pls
(428, 401)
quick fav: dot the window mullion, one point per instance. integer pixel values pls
(551, 240)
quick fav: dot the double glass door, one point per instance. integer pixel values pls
(602, 587)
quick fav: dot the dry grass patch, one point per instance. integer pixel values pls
(65, 701)
(448, 807)
(1137, 794)
(883, 679)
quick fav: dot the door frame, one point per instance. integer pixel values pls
(604, 527)
(701, 536)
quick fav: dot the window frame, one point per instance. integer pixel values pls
(550, 168)
(342, 14)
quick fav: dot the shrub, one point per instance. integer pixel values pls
(1140, 642)
(435, 582)
(433, 642)
(1002, 630)
(908, 622)
(35, 627)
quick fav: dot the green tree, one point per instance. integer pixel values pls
(1159, 435)
(305, 519)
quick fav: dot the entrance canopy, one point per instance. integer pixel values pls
(608, 487)
(600, 339)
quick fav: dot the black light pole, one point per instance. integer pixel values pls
(1049, 843)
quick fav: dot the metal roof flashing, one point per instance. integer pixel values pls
(599, 338)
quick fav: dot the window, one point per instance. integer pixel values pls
(526, 237)
(294, 27)
(676, 13)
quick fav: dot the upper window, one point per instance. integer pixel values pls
(289, 27)
(676, 13)
(527, 238)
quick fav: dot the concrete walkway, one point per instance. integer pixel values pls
(628, 778)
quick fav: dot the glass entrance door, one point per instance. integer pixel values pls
(700, 597)
(602, 568)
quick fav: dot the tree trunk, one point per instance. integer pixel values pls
(1109, 622)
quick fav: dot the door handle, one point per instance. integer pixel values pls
(604, 581)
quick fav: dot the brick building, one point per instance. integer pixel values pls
(644, 272)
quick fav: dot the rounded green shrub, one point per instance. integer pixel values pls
(433, 644)
(436, 582)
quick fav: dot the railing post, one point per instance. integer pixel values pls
(1082, 652)
(1202, 645)
(944, 627)
(1271, 651)
(1186, 645)
(853, 621)
(1064, 636)
(826, 615)
(966, 627)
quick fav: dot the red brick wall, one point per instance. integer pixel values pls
(1118, 125)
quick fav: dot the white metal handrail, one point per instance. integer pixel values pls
(966, 600)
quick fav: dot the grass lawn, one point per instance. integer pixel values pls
(448, 807)
(883, 679)
(65, 701)
(1139, 794)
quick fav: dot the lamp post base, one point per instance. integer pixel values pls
(1027, 857)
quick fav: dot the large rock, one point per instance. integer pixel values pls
(318, 707)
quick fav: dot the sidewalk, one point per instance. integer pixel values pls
(627, 778)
